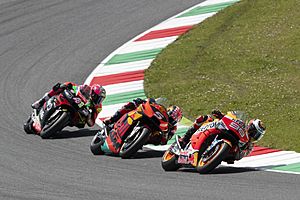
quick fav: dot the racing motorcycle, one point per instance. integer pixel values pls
(214, 142)
(134, 129)
(65, 109)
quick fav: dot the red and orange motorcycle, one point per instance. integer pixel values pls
(134, 129)
(65, 109)
(214, 142)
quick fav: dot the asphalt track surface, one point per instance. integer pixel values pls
(43, 42)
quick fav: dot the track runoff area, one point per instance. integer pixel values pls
(122, 75)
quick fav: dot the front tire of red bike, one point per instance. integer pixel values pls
(55, 125)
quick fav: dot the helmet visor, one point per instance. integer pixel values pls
(97, 99)
(254, 133)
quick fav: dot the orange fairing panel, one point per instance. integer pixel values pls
(147, 109)
(198, 138)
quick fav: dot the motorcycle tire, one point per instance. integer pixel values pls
(55, 125)
(95, 146)
(169, 161)
(207, 164)
(130, 147)
(28, 126)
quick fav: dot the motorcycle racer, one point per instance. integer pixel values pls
(94, 95)
(174, 113)
(255, 130)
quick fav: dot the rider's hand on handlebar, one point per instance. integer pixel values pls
(85, 112)
(217, 113)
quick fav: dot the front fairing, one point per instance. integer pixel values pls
(40, 116)
(208, 129)
(68, 100)
(235, 125)
(57, 103)
(157, 114)
(47, 110)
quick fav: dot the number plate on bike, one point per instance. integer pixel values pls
(185, 158)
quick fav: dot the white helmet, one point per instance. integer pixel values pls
(256, 130)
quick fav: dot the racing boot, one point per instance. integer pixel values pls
(109, 122)
(230, 162)
(39, 103)
(186, 137)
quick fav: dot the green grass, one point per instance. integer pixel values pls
(246, 57)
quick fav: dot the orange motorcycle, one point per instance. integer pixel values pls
(214, 142)
(134, 129)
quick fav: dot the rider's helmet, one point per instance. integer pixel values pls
(98, 94)
(255, 129)
(175, 114)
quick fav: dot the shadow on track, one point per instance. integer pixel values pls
(65, 134)
(147, 154)
(221, 170)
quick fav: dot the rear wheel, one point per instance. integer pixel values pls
(169, 161)
(134, 142)
(96, 145)
(55, 124)
(213, 158)
(28, 126)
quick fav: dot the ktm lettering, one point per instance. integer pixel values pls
(114, 139)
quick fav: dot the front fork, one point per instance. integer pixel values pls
(213, 145)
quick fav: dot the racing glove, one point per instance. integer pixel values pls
(39, 103)
(217, 113)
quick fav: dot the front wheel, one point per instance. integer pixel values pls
(55, 124)
(169, 161)
(213, 158)
(134, 142)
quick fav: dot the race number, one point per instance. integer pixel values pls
(236, 127)
(159, 115)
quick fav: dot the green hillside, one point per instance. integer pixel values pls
(246, 57)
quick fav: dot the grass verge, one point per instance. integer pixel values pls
(246, 57)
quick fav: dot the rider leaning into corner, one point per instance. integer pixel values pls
(174, 113)
(94, 104)
(255, 130)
